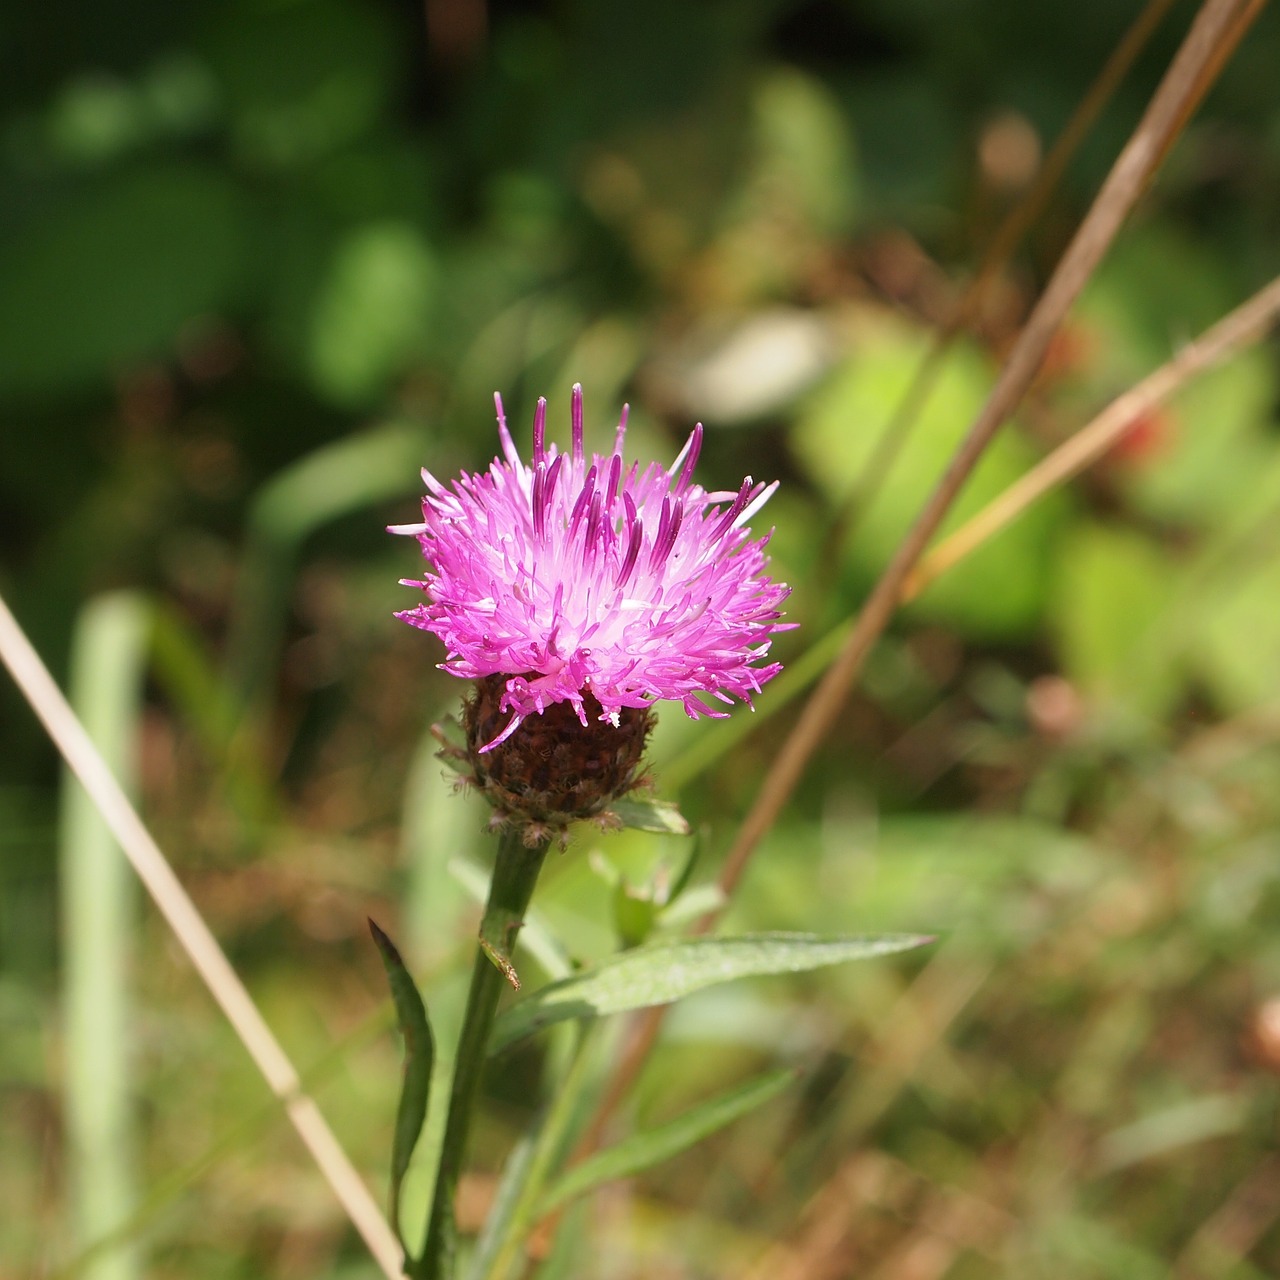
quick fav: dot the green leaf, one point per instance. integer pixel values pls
(643, 1150)
(99, 901)
(868, 389)
(107, 275)
(419, 1056)
(651, 815)
(804, 166)
(505, 1203)
(698, 901)
(666, 971)
(334, 480)
(369, 321)
(1110, 602)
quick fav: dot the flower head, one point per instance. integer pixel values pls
(591, 582)
(587, 581)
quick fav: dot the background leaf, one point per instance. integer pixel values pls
(1110, 598)
(110, 279)
(837, 434)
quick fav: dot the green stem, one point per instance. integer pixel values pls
(514, 875)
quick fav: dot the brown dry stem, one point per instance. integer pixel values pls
(1219, 24)
(1020, 219)
(196, 939)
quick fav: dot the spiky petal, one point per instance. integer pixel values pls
(583, 578)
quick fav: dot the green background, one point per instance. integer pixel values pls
(261, 261)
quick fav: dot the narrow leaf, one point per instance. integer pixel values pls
(419, 1055)
(99, 901)
(505, 1202)
(347, 475)
(667, 971)
(643, 1150)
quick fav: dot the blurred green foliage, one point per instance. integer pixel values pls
(261, 259)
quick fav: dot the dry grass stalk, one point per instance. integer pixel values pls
(1218, 24)
(1008, 235)
(195, 937)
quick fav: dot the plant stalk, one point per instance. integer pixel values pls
(514, 875)
(1218, 24)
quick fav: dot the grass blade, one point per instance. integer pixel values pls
(506, 1201)
(644, 1150)
(98, 909)
(339, 478)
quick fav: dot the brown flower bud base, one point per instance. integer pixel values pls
(553, 769)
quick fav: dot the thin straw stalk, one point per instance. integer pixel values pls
(1165, 115)
(1007, 237)
(1218, 24)
(195, 937)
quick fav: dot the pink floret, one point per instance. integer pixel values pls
(579, 575)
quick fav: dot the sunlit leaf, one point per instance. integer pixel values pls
(1237, 624)
(1000, 589)
(668, 971)
(370, 317)
(1110, 597)
(99, 916)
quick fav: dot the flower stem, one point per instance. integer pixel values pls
(514, 875)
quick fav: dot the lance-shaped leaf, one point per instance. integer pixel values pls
(419, 1055)
(666, 971)
(505, 1203)
(643, 1150)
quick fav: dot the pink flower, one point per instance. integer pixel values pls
(577, 577)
